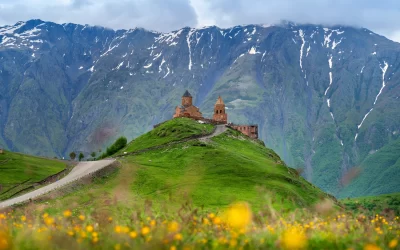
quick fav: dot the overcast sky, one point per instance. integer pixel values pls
(381, 16)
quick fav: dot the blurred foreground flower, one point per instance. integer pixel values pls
(4, 241)
(371, 247)
(238, 215)
(293, 239)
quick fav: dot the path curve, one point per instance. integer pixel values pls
(218, 130)
(78, 172)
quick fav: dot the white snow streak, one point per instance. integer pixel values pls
(301, 48)
(167, 72)
(308, 49)
(362, 69)
(147, 66)
(190, 49)
(384, 69)
(161, 64)
(365, 117)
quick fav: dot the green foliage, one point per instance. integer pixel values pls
(118, 145)
(374, 204)
(93, 154)
(19, 171)
(72, 155)
(170, 131)
(81, 156)
(382, 166)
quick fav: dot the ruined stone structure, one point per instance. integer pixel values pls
(249, 130)
(187, 109)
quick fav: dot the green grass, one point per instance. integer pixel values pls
(374, 204)
(170, 131)
(19, 171)
(232, 168)
(209, 175)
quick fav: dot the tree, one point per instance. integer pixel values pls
(93, 154)
(72, 155)
(81, 156)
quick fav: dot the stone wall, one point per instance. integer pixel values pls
(249, 130)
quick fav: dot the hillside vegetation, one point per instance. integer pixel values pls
(170, 131)
(374, 204)
(227, 168)
(225, 192)
(18, 172)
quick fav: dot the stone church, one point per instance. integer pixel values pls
(187, 109)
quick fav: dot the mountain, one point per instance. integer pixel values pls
(326, 98)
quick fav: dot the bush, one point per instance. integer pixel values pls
(119, 144)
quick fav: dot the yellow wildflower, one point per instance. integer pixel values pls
(95, 235)
(393, 243)
(49, 221)
(133, 234)
(172, 248)
(293, 239)
(178, 237)
(371, 247)
(4, 241)
(145, 230)
(238, 215)
(67, 213)
(23, 218)
(173, 226)
(118, 229)
(82, 217)
(153, 223)
(89, 228)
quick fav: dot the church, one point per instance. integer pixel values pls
(187, 109)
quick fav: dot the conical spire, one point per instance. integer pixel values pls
(187, 94)
(219, 100)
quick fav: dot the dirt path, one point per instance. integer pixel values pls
(218, 130)
(81, 170)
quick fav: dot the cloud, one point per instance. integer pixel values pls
(162, 15)
(166, 15)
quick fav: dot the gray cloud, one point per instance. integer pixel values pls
(165, 15)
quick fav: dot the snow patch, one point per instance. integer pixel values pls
(301, 48)
(147, 66)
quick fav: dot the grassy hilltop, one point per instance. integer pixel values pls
(19, 171)
(229, 167)
(227, 192)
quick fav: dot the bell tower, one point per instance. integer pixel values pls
(187, 99)
(220, 114)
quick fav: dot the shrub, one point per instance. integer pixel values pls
(119, 144)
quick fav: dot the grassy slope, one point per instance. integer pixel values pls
(213, 175)
(209, 175)
(375, 204)
(18, 171)
(381, 167)
(172, 130)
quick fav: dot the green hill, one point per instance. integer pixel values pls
(19, 171)
(210, 174)
(381, 166)
(374, 204)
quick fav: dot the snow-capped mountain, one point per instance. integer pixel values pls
(325, 98)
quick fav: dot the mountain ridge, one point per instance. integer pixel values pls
(310, 88)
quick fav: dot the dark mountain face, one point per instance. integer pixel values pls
(326, 99)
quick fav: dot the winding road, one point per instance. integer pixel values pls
(81, 170)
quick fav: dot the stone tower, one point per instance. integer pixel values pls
(219, 111)
(187, 99)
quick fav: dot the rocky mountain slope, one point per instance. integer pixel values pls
(325, 98)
